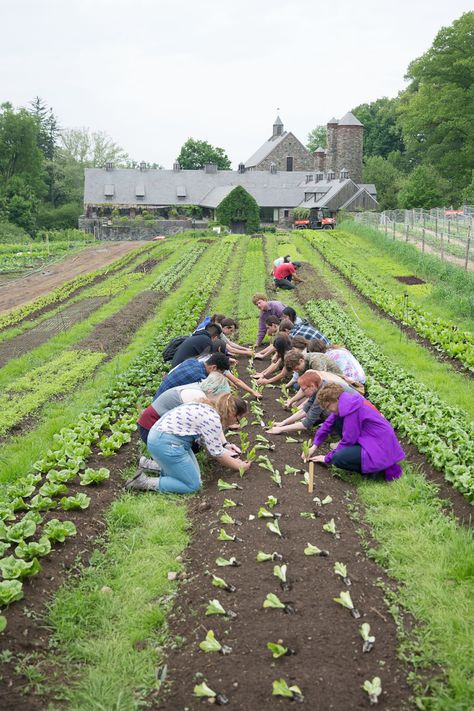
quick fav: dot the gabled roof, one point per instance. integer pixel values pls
(278, 121)
(265, 150)
(354, 197)
(329, 189)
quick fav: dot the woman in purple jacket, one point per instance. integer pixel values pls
(368, 444)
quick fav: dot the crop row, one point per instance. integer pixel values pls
(443, 433)
(252, 279)
(115, 412)
(28, 393)
(169, 277)
(445, 336)
(65, 290)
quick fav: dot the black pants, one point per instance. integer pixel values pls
(348, 458)
(283, 284)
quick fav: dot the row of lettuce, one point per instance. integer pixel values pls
(442, 433)
(443, 335)
(25, 506)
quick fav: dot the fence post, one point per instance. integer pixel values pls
(449, 230)
(442, 247)
(423, 239)
(386, 224)
(468, 245)
(393, 230)
(436, 225)
(407, 227)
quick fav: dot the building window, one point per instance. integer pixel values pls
(289, 163)
(286, 213)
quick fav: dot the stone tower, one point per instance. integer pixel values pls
(348, 145)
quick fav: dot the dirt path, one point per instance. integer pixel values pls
(29, 287)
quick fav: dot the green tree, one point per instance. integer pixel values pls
(196, 154)
(382, 134)
(316, 138)
(48, 136)
(19, 152)
(19, 204)
(387, 179)
(436, 109)
(468, 192)
(423, 188)
(239, 206)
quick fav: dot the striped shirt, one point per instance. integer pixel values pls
(196, 419)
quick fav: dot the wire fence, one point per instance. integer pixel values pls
(443, 232)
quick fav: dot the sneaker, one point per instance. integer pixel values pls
(148, 464)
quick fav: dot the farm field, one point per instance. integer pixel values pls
(110, 600)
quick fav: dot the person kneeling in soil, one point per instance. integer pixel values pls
(368, 445)
(171, 438)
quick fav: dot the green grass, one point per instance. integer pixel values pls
(452, 387)
(431, 558)
(452, 296)
(109, 642)
(252, 281)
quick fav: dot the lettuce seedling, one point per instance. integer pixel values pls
(223, 562)
(42, 503)
(263, 440)
(264, 513)
(274, 527)
(305, 479)
(226, 519)
(345, 600)
(369, 640)
(79, 501)
(330, 527)
(13, 568)
(243, 422)
(215, 608)
(314, 550)
(225, 486)
(210, 644)
(263, 557)
(10, 591)
(279, 571)
(290, 440)
(221, 583)
(327, 500)
(271, 502)
(291, 470)
(224, 536)
(281, 688)
(265, 463)
(26, 528)
(276, 477)
(50, 489)
(341, 570)
(229, 503)
(273, 601)
(374, 689)
(204, 691)
(57, 530)
(60, 476)
(6, 512)
(3, 547)
(33, 549)
(94, 476)
(308, 514)
(3, 623)
(307, 444)
(277, 650)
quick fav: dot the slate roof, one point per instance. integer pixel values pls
(161, 187)
(265, 150)
(349, 120)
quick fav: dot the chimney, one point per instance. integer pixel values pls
(176, 167)
(344, 174)
(318, 177)
(210, 168)
(109, 165)
(331, 176)
(273, 168)
(241, 168)
(142, 166)
(309, 178)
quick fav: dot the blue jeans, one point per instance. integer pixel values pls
(180, 472)
(348, 458)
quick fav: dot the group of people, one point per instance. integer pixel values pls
(194, 405)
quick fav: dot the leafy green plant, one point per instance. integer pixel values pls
(33, 549)
(271, 502)
(281, 688)
(330, 527)
(203, 691)
(210, 643)
(221, 583)
(215, 608)
(223, 562)
(368, 639)
(263, 557)
(13, 568)
(10, 591)
(224, 536)
(308, 514)
(49, 489)
(225, 486)
(274, 527)
(276, 477)
(290, 470)
(280, 571)
(94, 476)
(78, 501)
(306, 447)
(373, 688)
(327, 500)
(314, 550)
(226, 519)
(3, 623)
(26, 528)
(273, 601)
(229, 503)
(57, 530)
(277, 650)
(42, 503)
(341, 570)
(345, 600)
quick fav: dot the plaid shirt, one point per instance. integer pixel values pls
(190, 371)
(308, 332)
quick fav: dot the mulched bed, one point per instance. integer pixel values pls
(410, 280)
(36, 336)
(27, 633)
(328, 665)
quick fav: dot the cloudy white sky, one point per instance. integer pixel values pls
(152, 73)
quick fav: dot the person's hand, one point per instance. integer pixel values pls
(232, 361)
(232, 448)
(258, 356)
(276, 429)
(263, 381)
(319, 459)
(334, 445)
(310, 453)
(256, 394)
(288, 404)
(243, 465)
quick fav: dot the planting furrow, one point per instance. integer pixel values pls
(443, 335)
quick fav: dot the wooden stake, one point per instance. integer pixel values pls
(311, 478)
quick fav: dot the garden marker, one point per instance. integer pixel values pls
(311, 478)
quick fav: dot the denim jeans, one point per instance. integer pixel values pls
(348, 458)
(283, 284)
(180, 472)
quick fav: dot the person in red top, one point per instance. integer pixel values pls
(284, 275)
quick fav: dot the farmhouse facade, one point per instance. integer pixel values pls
(281, 175)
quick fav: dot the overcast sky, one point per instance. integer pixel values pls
(152, 73)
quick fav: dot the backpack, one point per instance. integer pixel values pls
(172, 347)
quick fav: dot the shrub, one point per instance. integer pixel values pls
(58, 218)
(239, 206)
(12, 233)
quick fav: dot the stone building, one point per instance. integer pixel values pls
(285, 153)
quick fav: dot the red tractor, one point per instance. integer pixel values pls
(319, 221)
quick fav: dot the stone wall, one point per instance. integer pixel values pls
(137, 230)
(289, 146)
(349, 151)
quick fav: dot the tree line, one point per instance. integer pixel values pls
(419, 146)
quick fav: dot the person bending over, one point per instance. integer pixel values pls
(272, 325)
(349, 365)
(229, 328)
(368, 445)
(310, 412)
(285, 276)
(193, 371)
(282, 345)
(171, 438)
(206, 340)
(266, 308)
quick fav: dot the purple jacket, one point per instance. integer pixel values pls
(363, 424)
(275, 308)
